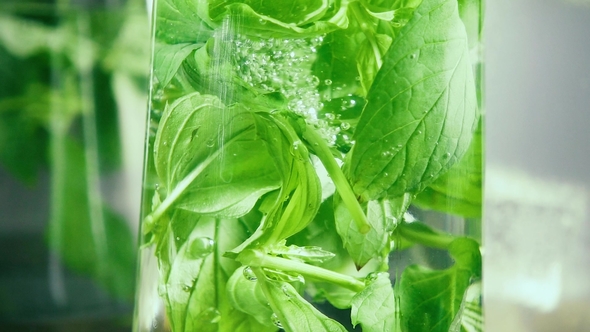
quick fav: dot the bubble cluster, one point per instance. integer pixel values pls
(284, 66)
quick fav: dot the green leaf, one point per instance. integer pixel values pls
(296, 12)
(178, 21)
(247, 296)
(459, 191)
(194, 274)
(364, 247)
(210, 158)
(293, 207)
(374, 307)
(432, 300)
(168, 58)
(259, 25)
(421, 109)
(367, 62)
(294, 313)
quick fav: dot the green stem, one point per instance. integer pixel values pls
(255, 258)
(342, 186)
(367, 29)
(430, 239)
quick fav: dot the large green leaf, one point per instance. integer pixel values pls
(194, 274)
(245, 294)
(210, 158)
(168, 58)
(421, 109)
(432, 300)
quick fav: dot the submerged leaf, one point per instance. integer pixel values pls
(421, 109)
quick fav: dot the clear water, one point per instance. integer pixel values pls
(233, 67)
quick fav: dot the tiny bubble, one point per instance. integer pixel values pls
(249, 274)
(275, 320)
(328, 82)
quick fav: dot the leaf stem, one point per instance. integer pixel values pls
(256, 258)
(342, 186)
(430, 239)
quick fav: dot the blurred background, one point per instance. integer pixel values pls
(537, 217)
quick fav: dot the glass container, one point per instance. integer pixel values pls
(313, 166)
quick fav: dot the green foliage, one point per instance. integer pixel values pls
(314, 212)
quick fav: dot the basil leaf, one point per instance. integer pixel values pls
(459, 191)
(374, 307)
(259, 25)
(421, 109)
(375, 243)
(194, 274)
(294, 313)
(431, 300)
(210, 158)
(247, 296)
(367, 64)
(297, 12)
(178, 21)
(168, 58)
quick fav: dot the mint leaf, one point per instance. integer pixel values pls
(431, 300)
(294, 314)
(297, 12)
(374, 307)
(421, 109)
(178, 21)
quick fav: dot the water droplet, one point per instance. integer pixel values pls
(412, 56)
(210, 142)
(211, 315)
(345, 125)
(164, 143)
(371, 277)
(178, 238)
(447, 155)
(419, 132)
(286, 291)
(328, 82)
(200, 247)
(275, 320)
(358, 78)
(186, 288)
(330, 116)
(261, 21)
(385, 154)
(249, 274)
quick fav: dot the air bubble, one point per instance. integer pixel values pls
(345, 125)
(200, 247)
(249, 274)
(275, 320)
(412, 56)
(286, 291)
(328, 82)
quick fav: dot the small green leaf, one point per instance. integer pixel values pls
(247, 296)
(367, 61)
(421, 110)
(364, 247)
(168, 58)
(178, 21)
(431, 300)
(374, 307)
(294, 313)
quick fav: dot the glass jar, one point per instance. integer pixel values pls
(72, 105)
(313, 167)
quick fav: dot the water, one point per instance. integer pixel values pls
(67, 206)
(281, 144)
